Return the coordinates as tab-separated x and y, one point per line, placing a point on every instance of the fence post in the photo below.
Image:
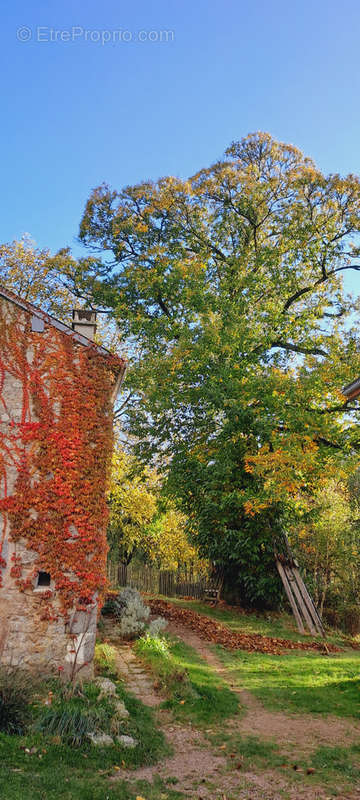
166	583
122	574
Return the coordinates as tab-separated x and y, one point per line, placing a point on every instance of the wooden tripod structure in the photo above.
302	604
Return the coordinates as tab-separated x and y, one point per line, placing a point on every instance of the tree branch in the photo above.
322	440
335	445
118	411
332	409
312	351
163	306
296	296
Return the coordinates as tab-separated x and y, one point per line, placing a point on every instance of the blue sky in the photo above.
77	112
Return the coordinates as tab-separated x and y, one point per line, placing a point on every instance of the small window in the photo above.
37	324
43	579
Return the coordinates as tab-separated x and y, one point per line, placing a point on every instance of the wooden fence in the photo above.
151	579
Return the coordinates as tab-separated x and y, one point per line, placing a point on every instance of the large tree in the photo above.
33	275
51	282
229	287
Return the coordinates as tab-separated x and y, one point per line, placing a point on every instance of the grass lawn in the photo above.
68	773
194	690
299	682
44	766
335	767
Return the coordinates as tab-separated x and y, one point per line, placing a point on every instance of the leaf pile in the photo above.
215	632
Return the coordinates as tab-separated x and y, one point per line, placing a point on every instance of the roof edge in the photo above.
352	390
60	326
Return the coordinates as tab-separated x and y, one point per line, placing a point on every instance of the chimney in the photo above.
84	322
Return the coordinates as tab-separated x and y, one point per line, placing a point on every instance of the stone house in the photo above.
57	390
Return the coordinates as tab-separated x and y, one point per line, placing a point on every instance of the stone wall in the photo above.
25	638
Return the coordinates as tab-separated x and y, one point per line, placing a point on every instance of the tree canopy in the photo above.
229	286
32	274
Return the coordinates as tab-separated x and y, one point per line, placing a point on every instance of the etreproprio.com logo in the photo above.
44	33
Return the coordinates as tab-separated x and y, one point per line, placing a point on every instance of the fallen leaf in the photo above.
213	631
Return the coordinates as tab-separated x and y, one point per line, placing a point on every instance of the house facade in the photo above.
57	390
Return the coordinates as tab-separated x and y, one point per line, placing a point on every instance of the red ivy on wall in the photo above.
60	445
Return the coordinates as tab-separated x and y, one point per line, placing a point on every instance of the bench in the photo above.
212	593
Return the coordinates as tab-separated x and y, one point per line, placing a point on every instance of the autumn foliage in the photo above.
59	445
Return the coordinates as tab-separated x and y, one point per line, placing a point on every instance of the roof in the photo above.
60	326
352	390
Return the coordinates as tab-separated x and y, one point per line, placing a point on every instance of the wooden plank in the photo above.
309	602
301	603
290	562
290	596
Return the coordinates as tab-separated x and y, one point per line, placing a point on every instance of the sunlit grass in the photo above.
299	682
331	766
56	771
193	688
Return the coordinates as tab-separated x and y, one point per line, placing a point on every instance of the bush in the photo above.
156	627
16	693
76	713
72	724
151	645
105	659
109	606
351	617
134	615
130	611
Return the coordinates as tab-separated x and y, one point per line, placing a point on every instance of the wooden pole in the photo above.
290	596
309	602
300	599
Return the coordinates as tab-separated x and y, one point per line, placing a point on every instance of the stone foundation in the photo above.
39	645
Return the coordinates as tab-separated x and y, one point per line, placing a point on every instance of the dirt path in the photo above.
203	773
303	730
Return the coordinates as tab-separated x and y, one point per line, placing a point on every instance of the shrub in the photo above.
76	712
156	627
105	658
109	606
134	617
130	612
16	693
351	617
72	724
150	645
